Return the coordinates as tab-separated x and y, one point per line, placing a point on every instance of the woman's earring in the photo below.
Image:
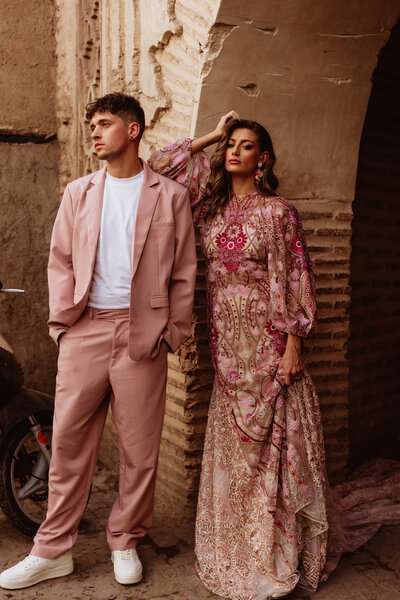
131	138
259	173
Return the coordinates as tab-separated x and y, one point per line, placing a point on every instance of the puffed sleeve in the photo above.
292	292
176	162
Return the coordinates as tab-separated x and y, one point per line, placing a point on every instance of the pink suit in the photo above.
114	355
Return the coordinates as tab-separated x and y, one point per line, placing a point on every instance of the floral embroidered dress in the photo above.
261	519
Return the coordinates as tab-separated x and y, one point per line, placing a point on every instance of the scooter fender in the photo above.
25	403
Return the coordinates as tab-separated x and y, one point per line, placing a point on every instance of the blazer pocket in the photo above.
159	301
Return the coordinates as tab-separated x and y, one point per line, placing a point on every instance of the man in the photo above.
121	284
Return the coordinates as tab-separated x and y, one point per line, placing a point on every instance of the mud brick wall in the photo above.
327	226
190	379
374	345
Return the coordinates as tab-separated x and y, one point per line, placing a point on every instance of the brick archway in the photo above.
374	343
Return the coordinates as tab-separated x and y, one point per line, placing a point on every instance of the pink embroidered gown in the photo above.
262	513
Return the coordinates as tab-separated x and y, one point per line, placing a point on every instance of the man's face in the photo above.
110	135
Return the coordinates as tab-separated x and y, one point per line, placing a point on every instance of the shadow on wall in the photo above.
374	344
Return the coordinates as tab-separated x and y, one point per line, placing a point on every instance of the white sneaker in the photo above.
34	569
127	566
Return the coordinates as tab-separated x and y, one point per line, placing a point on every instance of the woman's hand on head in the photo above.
214	136
224	120
291	361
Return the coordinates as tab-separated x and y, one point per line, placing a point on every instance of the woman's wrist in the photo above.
215	135
294	341
204	141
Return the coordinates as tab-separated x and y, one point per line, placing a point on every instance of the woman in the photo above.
261	521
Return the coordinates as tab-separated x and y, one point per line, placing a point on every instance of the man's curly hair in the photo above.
126	107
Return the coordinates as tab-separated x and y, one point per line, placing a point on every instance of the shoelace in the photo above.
128	554
29	561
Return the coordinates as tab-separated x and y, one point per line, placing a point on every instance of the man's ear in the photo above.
134	130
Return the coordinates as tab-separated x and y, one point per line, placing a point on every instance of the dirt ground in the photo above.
372	573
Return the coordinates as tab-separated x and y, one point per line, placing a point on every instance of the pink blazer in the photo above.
163	264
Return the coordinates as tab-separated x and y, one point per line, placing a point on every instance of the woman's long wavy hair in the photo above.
221	182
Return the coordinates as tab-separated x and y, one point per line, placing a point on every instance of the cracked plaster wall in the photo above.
160	63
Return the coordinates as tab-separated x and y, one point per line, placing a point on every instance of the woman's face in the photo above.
242	153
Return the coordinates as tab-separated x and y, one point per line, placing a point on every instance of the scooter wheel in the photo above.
17	459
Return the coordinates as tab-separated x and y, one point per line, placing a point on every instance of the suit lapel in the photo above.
94	205
147	204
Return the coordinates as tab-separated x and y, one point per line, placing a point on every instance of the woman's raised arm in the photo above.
185	162
214	136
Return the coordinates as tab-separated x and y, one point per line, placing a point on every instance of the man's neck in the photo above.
124	167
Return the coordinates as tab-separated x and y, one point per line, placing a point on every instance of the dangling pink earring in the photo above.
259	173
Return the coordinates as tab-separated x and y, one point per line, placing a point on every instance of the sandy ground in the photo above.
372	573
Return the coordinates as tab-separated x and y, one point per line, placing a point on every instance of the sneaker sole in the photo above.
51	573
129	580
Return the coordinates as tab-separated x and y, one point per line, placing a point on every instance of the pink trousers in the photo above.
94	369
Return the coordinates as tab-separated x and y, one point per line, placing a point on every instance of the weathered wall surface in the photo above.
374	344
109	46
77	36
29	186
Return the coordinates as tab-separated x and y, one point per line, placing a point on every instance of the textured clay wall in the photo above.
374	344
29	186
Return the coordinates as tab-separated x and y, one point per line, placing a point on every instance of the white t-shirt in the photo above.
111	283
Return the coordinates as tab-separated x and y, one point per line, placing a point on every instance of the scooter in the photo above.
26	418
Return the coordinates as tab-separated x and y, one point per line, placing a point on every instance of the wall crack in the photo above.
175	31
27	138
251	89
218	34
351	35
268	30
337	80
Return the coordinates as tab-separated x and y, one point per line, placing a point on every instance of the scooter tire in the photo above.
8	502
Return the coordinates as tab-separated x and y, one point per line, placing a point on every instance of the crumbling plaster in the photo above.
154	50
